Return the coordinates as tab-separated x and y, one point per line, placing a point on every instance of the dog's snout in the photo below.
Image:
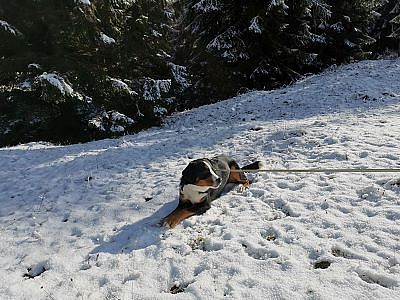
218	180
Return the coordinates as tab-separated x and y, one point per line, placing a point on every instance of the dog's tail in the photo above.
257	165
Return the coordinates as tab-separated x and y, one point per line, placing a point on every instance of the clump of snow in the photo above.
58	82
106	39
349	44
111	121
205	6
338	27
230	44
278	3
86	2
255	25
289	236
120	85
153	89
117	128
316	38
159	111
97	123
156	33
180	75
118	117
162	53
11	29
25	85
34	66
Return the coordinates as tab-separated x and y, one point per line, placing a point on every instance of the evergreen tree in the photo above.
263	44
224	42
84	69
348	30
387	29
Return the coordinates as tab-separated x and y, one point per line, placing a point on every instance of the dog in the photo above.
203	181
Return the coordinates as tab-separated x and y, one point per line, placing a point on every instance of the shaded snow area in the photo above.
80	221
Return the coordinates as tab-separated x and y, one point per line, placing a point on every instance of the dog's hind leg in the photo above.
237	177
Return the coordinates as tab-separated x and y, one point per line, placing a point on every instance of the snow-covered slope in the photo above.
79	222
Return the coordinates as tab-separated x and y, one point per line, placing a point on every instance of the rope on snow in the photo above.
316	170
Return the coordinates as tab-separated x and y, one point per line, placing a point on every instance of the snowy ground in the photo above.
78	222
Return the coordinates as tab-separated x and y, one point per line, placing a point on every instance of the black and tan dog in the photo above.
203	181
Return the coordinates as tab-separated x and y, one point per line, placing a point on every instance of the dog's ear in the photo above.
191	172
188	175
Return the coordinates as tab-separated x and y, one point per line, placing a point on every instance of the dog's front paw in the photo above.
171	221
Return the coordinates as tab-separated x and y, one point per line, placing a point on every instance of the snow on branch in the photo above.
106	39
58	82
207	6
122	86
9	28
255	25
230	45
112	121
153	89
86	2
321	9
180	75
278	3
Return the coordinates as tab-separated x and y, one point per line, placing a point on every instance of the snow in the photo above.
159	111
153	89
11	29
112	120
97	122
34	66
338	27
25	85
86	2
79	221
58	82
180	75
315	38
206	6
278	3
106	39
120	85
156	33
255	26
230	44
118	117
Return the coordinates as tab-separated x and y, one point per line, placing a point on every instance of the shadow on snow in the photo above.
139	235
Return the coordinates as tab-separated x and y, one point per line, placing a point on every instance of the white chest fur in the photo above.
194	193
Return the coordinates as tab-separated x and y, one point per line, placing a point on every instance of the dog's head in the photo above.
199	172
197	178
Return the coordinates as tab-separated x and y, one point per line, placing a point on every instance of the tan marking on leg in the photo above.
234	177
240	178
176	217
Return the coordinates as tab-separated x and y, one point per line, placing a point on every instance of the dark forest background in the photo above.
77	70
